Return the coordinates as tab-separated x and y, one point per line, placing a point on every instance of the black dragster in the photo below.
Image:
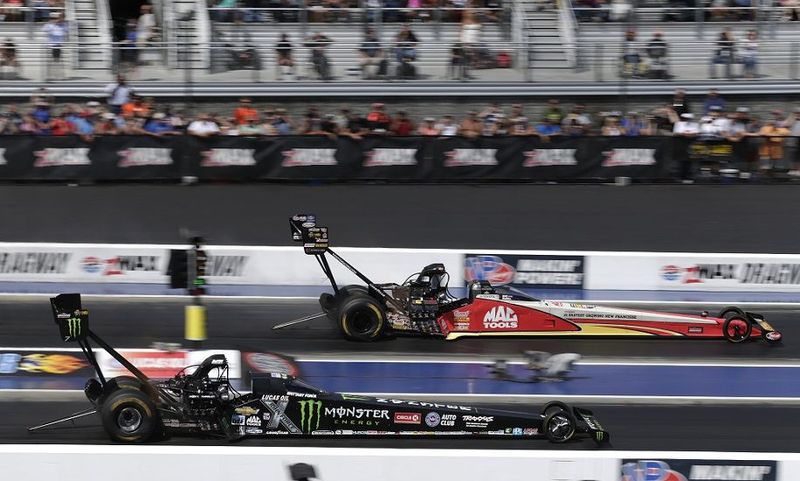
201	401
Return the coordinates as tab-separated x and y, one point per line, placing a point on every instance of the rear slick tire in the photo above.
362	318
130	416
737	329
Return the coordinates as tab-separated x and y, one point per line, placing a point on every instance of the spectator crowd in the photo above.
122	111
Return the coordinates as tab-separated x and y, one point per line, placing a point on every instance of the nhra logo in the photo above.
390	157
141	156
650	471
119	265
488	268
500	317
629	157
549	157
308	157
228	158
470	157
60	157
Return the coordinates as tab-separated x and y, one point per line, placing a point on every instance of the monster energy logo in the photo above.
74	327
599	435
309	410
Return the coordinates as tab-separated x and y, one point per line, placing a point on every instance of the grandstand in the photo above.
551	49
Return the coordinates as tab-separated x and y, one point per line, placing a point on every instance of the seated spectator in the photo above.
572	128
283	123
245	112
713	100
283	54
715	125
457	69
611	126
578	120
29	125
223	10
771	151
204	126
405	45
634	125
502	126
471	127
8	57
377	119
108	125
318	44
791	10
41	113
724	53
372	61
402	125
657	57
553	111
519	123
447	127
428	128
549	126
243	53
159	125
742	128
137	107
748	53
326	126
312	122
355	126
12	10
60	125
631	59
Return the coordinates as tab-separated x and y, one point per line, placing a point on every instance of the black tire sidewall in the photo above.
546	423
355	303
554	406
731	310
134	398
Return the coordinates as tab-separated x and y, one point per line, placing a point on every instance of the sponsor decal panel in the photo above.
728	274
549	157
432	419
382	157
697	470
32	363
629	157
470	157
120	265
22	262
407	418
308	157
562	272
310	415
54	157
142	156
228	158
500	317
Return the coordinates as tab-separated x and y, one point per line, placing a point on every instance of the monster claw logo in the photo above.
309	410
599	435
74	327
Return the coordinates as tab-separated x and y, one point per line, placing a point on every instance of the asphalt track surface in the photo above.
500	216
662	428
245	324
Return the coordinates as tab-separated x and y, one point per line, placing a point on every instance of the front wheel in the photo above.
559	427
737	329
362	318
129	416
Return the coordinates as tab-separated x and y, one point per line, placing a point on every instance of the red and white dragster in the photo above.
423	305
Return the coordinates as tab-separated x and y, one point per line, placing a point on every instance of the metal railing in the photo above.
366	14
567	27
608	61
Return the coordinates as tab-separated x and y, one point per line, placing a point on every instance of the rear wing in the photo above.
72	320
304	229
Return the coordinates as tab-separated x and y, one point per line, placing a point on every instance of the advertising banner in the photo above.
225	158
526	271
47	363
161	364
698	470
